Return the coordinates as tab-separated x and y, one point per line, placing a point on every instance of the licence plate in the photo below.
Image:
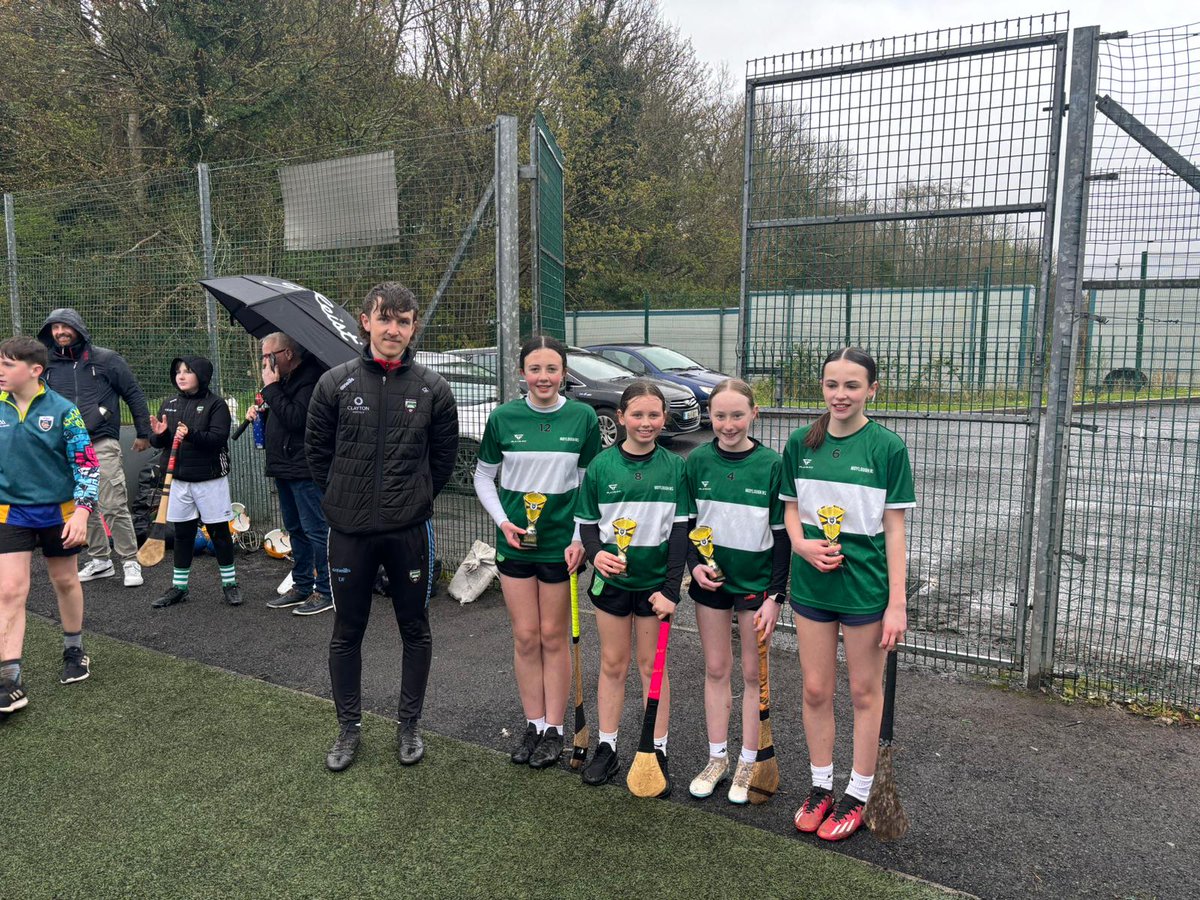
689	414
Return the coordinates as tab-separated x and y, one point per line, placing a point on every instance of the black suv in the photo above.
599	383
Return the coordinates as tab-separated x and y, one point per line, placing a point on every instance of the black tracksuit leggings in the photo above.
354	560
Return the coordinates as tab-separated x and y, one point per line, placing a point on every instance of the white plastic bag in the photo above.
475	574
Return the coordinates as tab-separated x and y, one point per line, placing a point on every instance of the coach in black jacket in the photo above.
381	443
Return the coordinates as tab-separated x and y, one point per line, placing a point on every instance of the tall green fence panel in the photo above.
551	254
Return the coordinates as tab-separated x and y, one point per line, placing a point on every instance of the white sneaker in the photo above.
739	791
97	568
133	573
706	782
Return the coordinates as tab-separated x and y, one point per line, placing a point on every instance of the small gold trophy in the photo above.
534	503
702	537
831	521
623	530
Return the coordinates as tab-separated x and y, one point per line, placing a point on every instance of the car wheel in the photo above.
462	479
610	431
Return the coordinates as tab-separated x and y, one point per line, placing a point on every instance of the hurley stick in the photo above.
646	778
581	726
155	546
764	777
883	814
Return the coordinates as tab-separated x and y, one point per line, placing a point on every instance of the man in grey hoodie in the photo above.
96	380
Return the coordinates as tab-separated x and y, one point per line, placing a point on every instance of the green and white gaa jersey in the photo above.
848	481
540	452
739	500
643	498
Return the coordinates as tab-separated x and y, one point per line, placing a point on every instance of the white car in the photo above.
474	389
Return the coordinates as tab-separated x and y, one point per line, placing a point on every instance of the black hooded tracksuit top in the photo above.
204	453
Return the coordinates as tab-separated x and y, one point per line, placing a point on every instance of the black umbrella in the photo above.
265	305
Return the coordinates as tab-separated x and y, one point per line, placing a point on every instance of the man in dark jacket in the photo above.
381	443
289	376
96	379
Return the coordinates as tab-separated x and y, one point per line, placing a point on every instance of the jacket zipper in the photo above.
379	450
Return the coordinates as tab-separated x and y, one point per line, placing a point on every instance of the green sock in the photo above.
228	576
180	578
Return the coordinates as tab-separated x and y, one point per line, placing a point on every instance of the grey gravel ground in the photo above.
1010	795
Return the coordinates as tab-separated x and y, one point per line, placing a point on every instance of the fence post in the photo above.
984	315
1141	317
743	339
1047	538
645	317
849	312
535	220
214	347
10	235
508	263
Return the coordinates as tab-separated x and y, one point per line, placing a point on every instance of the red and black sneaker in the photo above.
846	818
812	813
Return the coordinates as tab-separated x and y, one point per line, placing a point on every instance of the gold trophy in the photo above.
623	530
534	503
702	537
831	521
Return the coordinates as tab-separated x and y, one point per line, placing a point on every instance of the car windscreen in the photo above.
668	360
596	367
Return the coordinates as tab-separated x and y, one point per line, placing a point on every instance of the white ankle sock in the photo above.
748	755
860	786
822	776
661	744
718	751
538	723
610	738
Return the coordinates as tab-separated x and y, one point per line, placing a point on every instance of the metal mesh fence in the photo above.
549	256
127	255
1128	622
900	197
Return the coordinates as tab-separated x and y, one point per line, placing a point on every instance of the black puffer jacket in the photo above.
95	379
204	453
286	419
381	446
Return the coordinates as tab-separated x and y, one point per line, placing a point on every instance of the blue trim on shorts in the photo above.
816	614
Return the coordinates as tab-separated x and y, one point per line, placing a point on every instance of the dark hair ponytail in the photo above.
816	433
541	342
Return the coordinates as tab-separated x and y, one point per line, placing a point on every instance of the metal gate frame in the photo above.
1045	538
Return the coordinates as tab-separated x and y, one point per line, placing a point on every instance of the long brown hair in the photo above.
737	386
641	388
816	434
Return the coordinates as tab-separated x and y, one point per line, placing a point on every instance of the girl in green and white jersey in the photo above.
539	445
847	484
633	497
734	483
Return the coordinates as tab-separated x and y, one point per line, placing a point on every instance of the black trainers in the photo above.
525	747
603	767
171	597
12	696
341	754
76	666
292	598
232	594
662	764
548	750
315	604
410	747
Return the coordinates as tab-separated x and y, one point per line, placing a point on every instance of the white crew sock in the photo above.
822	776
860	786
718	751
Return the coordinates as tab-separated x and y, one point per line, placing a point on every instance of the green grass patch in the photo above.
165	778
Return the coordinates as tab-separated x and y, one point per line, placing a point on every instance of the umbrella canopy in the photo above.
265	305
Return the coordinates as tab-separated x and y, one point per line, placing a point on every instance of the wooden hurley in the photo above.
155	546
764	777
646	778
581	726
883	813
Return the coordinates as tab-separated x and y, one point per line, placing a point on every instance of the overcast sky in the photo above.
726	31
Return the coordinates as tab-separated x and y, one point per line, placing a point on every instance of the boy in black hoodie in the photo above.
200	490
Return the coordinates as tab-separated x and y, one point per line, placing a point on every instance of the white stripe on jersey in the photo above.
736	526
654	520
532	470
864	505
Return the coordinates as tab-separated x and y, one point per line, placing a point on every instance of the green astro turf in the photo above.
160	778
